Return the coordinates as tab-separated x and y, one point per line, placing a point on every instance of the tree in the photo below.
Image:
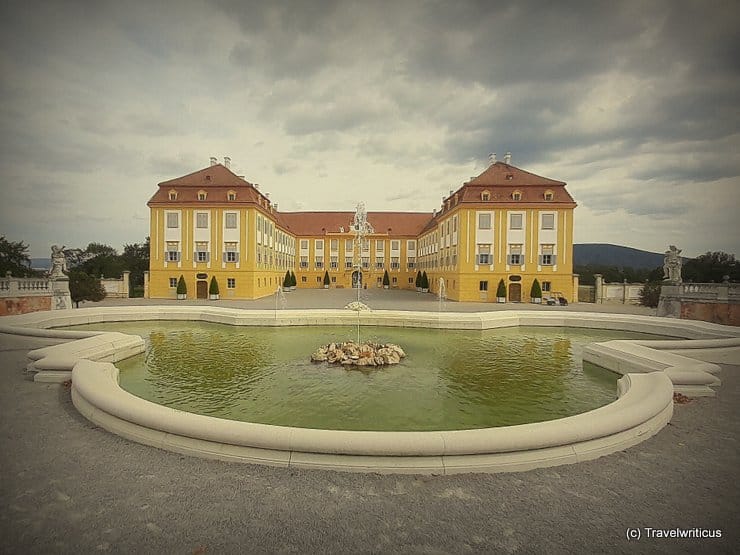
14	258
649	295
182	287
136	260
536	291
213	287
424	280
711	267
501	289
418	279
327	281
293	280
386	279
84	287
286	280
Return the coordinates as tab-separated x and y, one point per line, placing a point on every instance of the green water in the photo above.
449	380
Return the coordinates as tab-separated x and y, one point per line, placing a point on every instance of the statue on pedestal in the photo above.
672	265
58	263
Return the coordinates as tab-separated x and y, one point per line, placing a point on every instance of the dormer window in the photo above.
485	196
548	195
516	195
173	194
231	195
202	195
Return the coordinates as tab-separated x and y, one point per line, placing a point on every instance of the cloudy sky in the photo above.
636	105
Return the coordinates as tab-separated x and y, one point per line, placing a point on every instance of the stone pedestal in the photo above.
669	304
62	299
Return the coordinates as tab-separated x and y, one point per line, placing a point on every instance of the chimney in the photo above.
227	161
267	195
275	205
492	158
257	186
214	161
507	158
451	191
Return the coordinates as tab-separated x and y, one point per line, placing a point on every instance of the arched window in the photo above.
548	195
173	194
202	195
231	195
516	195
485	196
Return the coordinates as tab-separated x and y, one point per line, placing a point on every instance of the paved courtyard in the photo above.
68	486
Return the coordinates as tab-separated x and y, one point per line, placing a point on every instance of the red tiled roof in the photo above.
320	223
506	174
215	180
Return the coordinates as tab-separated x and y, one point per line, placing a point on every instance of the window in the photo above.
454	224
484	254
395	245
202	195
379	280
320	262
515	221
201	220
485	196
395	264
348	262
348	246
334	262
394	280
411	280
304	279
411	262
173	282
231	253
548	221
173	195
304	262
333	279
366	245
230	220
230	283
173	252
484	221
547	258
546	286
304	244
201	251
482	286
516	195
318	279
366	262
379	263
173	220
515	255
548	195
410	245
319	245
231	195
334	245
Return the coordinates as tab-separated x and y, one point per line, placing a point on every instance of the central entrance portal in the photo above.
201	289
357	279
515	292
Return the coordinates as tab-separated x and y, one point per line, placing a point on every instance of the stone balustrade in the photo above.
16	287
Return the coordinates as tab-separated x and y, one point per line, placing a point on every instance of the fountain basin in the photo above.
643	408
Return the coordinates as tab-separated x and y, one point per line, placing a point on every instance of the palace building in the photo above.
505	224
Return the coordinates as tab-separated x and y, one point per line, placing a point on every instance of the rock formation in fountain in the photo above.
351	354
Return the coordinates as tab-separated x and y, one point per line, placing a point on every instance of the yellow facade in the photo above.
214	224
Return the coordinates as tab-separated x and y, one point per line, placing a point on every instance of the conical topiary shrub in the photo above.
536	292
386	280
213	289
286	281
327	281
293	281
424	282
182	288
501	291
418	280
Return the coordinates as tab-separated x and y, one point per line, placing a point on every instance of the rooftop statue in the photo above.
672	265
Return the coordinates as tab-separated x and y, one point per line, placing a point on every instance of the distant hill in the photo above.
41	263
603	254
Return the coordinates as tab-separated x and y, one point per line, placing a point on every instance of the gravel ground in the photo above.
68	486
